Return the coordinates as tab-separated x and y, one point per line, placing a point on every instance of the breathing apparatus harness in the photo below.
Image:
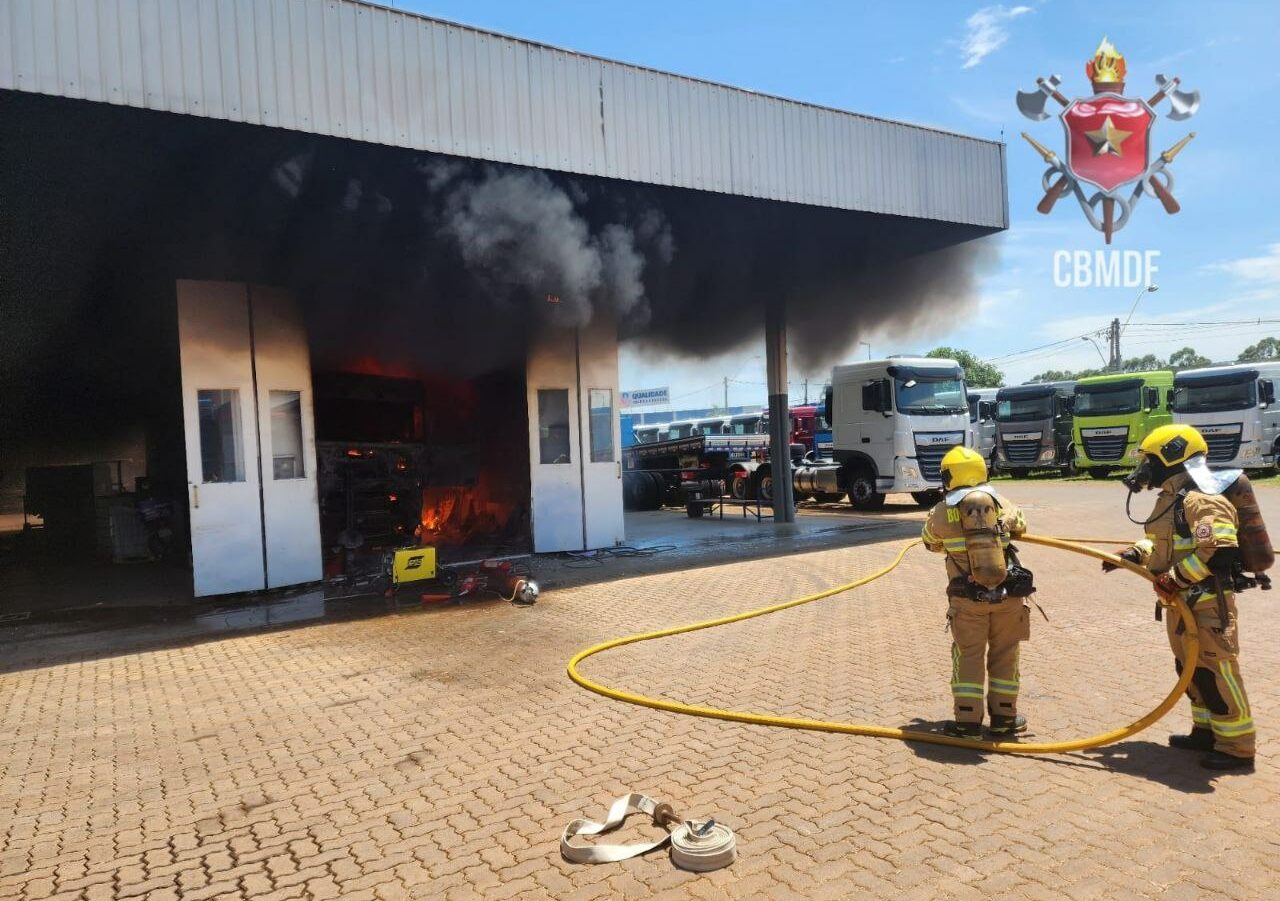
1226	566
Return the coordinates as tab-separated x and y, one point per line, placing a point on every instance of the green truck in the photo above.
1114	412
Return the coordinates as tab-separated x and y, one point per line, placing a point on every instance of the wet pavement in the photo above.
103	609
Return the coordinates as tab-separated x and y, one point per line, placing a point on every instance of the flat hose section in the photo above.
1004	747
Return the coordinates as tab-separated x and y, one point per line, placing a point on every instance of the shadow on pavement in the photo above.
1180	770
940	753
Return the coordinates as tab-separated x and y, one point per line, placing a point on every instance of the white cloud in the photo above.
986	31
983	114
1259	270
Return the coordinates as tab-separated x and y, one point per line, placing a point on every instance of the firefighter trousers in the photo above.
1218	700
984	649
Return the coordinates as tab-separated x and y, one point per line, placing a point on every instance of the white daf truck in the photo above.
892	422
1235	408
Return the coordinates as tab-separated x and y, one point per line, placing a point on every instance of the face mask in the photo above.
1151	473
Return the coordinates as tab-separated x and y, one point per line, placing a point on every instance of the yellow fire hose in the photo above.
1006	747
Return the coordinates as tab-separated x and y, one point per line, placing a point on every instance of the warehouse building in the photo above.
268	287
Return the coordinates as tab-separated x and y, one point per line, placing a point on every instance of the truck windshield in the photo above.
1214	398
1024	409
1103	400
680	430
745	427
931	398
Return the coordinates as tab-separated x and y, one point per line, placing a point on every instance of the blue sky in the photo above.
957	66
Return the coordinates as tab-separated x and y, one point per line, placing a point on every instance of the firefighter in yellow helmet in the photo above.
1192	545
988	618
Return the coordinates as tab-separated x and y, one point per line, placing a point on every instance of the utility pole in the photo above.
726	394
1113	334
806	392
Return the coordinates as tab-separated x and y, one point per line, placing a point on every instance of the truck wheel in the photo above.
656	492
740	488
926	498
863	494
1099	472
765	490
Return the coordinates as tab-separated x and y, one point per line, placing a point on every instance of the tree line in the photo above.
979	374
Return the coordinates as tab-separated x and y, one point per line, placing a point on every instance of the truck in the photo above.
807	423
1235	409
678	470
1114	412
982	423
649	433
893	421
1034	428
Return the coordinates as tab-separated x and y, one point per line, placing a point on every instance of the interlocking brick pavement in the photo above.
438	755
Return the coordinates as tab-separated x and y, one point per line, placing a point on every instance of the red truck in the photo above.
806	422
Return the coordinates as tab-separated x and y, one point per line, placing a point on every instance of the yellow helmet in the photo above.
963	467
1174	444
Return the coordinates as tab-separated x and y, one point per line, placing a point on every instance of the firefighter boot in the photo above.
963	730
1007	725
1200	739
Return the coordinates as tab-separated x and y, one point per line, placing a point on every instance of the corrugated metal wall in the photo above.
354	70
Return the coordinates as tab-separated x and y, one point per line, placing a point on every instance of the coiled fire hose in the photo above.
619	809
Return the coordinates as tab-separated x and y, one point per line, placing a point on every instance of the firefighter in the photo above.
1192	544
973	526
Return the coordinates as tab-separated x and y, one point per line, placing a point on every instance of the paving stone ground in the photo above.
439	755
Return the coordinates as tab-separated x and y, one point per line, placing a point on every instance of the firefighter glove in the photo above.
1131	554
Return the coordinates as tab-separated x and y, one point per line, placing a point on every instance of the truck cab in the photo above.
1034	428
893	422
745	424
1235	409
1114	412
982	423
680	428
647	434
806	422
712	425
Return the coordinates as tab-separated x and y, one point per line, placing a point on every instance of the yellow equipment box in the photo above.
413	564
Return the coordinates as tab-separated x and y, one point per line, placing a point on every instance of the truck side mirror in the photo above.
828	400
1168	398
1268	391
886	397
1151	398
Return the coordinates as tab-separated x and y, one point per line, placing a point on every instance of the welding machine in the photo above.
413	564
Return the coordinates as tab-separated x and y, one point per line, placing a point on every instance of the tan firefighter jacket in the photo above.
1210	523
981	508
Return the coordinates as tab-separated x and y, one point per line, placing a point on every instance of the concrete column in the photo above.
775	348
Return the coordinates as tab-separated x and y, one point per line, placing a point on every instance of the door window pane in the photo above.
553	425
286	435
221	447
600	402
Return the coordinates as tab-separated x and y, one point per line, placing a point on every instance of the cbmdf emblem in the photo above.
1108	163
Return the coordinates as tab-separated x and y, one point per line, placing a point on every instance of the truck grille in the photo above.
1105	447
1024	453
930	460
1222	448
